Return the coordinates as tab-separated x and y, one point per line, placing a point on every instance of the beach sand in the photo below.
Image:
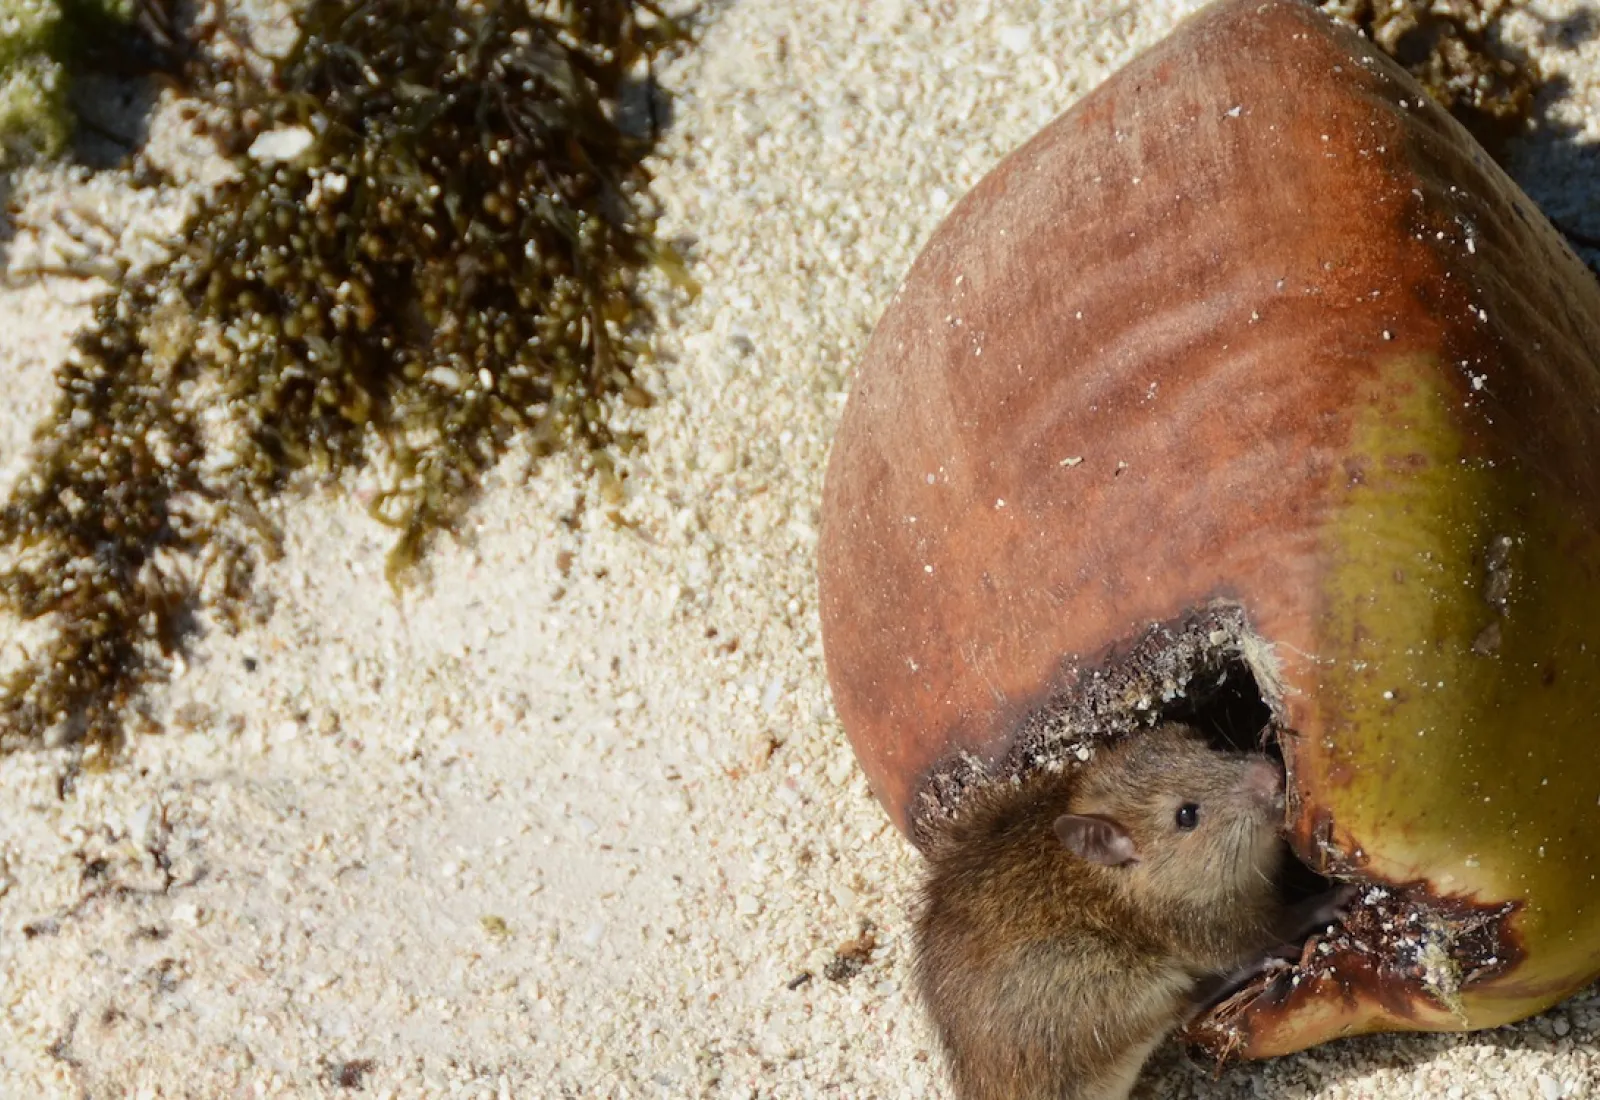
573	816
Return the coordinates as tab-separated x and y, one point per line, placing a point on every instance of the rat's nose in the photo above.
1263	781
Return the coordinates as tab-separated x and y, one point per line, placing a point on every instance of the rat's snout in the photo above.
1263	782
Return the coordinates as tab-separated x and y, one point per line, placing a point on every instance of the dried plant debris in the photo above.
1454	49
348	1075
852	955
431	250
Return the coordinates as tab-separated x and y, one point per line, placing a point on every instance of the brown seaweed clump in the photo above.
431	250
1453	49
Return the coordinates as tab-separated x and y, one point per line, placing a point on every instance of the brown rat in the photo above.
1071	921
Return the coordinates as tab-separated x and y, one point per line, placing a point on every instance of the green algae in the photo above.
47	44
34	117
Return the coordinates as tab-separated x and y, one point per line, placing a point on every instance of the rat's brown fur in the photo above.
1049	975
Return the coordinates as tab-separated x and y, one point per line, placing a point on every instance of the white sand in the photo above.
617	739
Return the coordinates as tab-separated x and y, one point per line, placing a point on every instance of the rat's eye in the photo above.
1188	816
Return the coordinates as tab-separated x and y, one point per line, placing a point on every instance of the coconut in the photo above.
1252	392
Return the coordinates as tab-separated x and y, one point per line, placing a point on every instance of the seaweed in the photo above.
431	251
1454	49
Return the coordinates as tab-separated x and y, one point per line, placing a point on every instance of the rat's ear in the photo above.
1095	838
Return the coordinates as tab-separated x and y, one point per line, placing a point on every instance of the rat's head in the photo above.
1177	817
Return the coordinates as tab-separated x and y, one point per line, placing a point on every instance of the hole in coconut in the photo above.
1232	714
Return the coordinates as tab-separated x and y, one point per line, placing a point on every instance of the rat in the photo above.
1070	921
